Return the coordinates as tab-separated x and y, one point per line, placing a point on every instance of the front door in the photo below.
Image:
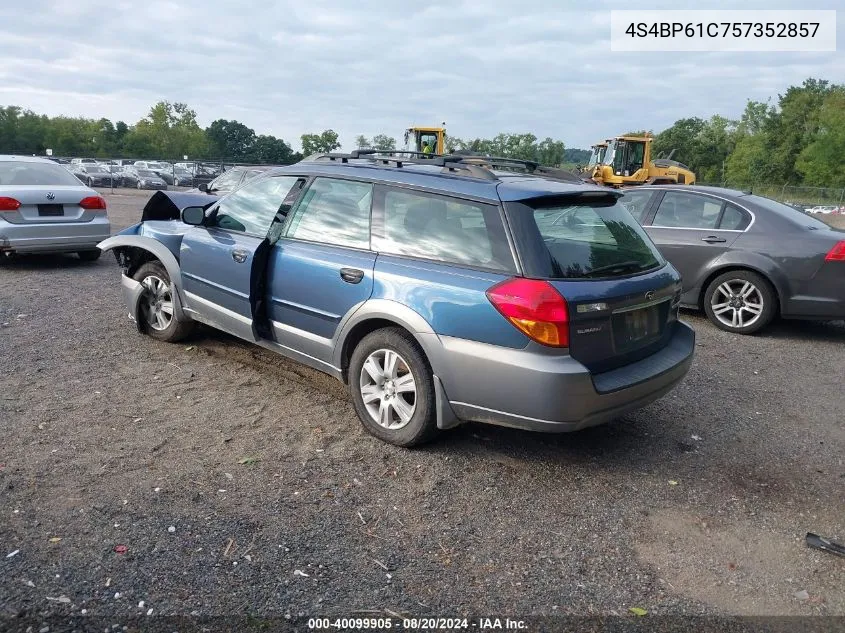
218	261
686	229
322	268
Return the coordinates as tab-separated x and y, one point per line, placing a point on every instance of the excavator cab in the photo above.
596	158
626	156
432	137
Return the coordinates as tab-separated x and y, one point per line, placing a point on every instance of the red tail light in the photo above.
535	308
93	203
836	254
9	204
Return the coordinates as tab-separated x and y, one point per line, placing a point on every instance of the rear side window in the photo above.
637	202
334	211
443	229
733	219
581	239
32	174
687	210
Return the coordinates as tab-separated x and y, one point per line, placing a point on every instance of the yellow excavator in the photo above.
627	161
596	158
433	137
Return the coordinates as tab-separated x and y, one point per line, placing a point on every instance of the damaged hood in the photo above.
168	205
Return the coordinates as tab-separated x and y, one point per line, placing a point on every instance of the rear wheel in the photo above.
89	256
156	314
392	388
740	301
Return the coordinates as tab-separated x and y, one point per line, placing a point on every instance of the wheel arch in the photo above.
381	313
726	268
133	251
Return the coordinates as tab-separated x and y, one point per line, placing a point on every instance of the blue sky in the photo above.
378	66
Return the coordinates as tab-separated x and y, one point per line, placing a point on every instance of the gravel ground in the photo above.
242	483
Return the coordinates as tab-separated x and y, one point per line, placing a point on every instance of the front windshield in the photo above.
146	173
94	169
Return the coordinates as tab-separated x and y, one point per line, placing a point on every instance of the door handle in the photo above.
351	275
712	239
239	255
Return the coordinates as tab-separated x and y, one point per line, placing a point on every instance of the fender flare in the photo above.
424	335
161	253
755	263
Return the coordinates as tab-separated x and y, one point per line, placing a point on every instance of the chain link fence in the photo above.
806	197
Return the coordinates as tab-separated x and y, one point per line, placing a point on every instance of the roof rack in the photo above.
475	166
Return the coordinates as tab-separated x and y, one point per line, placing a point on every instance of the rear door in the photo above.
218	261
322	267
686	229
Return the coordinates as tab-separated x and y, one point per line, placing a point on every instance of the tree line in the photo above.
799	139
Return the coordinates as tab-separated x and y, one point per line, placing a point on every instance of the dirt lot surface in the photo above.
242	483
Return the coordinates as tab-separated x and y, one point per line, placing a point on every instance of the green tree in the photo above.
384	143
362	142
551	152
271	150
231	140
319	143
821	162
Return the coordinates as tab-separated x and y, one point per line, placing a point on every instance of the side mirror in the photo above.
203	187
195	216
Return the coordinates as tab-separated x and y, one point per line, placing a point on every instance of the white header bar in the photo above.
717	31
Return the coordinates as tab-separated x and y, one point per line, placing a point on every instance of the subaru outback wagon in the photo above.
439	290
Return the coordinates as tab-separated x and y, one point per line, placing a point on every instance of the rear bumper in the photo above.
536	390
53	237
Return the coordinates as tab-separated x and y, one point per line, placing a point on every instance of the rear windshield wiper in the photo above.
620	267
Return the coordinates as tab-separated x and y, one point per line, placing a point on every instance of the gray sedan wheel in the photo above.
740	301
392	388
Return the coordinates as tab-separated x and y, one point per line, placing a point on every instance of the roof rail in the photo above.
475	166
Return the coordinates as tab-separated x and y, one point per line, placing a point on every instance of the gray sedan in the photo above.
744	258
44	208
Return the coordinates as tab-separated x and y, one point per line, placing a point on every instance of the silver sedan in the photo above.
44	208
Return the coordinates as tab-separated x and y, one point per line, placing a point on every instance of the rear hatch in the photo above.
621	294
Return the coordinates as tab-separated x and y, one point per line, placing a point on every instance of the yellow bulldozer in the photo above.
627	161
596	158
432	137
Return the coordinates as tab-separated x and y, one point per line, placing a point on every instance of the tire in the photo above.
152	312
90	184
409	418
740	301
138	184
89	256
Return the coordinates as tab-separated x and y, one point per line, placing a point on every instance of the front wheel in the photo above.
156	314
392	388
740	301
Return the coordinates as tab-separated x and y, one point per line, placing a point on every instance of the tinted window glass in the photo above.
26	173
591	240
687	210
733	219
334	212
787	211
444	229
252	208
636	202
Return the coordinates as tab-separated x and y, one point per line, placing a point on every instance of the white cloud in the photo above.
372	67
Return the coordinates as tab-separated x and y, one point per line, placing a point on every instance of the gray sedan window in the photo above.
636	202
687	210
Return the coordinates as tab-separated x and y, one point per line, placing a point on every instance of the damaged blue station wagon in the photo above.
440	290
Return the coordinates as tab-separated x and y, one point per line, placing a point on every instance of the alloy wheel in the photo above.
157	303
388	389
737	303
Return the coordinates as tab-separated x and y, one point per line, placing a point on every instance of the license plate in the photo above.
636	326
51	209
